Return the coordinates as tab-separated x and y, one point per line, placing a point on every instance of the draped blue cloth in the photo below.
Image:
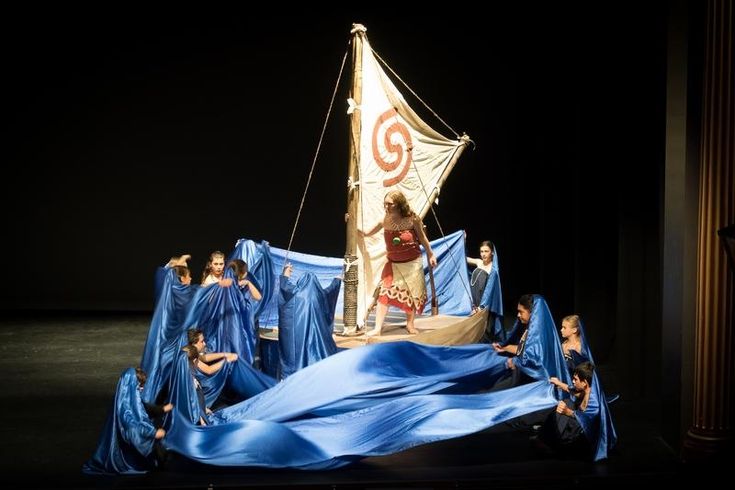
542	357
305	322
167	324
492	298
217	312
127	439
334	441
450	275
239	380
158	280
183	392
261	271
357	378
596	421
325	269
221	313
374	400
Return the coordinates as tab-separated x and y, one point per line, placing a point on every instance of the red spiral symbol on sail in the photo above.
402	150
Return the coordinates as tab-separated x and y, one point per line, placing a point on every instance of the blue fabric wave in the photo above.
334	441
373	400
359	377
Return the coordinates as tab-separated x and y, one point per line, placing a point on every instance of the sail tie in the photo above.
349	263
352	106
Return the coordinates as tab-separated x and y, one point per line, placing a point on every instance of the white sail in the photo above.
397	151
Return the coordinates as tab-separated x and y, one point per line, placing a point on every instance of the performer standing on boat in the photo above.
402	281
487	293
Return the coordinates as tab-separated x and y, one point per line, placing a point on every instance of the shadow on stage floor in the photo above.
61	371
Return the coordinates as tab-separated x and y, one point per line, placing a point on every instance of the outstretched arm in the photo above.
372	230
510	348
556	382
213	368
475	262
218	356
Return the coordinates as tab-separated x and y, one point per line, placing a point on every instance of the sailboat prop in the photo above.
391	147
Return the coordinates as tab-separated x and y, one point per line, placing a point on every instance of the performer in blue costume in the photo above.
533	345
597	424
172	304
486	291
566	428
127	440
305	321
260	271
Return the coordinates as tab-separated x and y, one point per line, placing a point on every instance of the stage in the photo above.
63	369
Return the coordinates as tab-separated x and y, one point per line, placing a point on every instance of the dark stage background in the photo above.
137	134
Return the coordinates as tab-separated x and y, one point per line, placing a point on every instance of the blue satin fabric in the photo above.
183	393
158	280
324	268
167	324
221	313
261	271
237	381
596	421
450	275
334	441
492	297
378	399
542	357
357	378
575	359
127	439
305	322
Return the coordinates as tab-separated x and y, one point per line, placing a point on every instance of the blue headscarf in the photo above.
492	297
542	357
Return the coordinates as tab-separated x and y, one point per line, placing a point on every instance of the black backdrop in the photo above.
135	135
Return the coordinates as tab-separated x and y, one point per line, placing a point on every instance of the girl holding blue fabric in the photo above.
564	429
483	268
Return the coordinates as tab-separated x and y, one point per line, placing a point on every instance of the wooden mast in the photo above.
353	192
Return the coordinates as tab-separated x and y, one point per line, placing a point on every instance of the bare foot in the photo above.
373	333
412	330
